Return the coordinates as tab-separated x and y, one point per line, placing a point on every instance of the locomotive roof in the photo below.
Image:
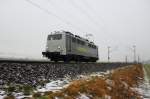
69	33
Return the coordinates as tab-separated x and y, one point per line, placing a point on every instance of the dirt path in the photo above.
147	70
144	88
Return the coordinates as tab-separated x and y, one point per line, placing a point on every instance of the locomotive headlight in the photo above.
58	47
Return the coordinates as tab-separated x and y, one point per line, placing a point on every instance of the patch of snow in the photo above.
98	74
54	85
22	97
144	88
83	96
109	82
101	73
2	94
107	97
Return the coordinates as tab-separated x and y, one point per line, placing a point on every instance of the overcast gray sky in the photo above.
117	23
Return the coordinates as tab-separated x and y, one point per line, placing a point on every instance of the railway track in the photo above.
52	62
33	71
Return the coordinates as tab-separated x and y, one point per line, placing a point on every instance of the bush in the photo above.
10	90
27	89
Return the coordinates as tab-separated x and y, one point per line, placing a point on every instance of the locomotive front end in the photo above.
55	47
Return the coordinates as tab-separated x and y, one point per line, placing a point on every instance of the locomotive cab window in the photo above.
55	37
49	37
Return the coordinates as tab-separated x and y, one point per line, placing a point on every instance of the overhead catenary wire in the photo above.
84	12
62	8
85	2
67	13
54	15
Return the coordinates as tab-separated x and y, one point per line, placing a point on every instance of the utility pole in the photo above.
134	53
138	59
108	53
126	59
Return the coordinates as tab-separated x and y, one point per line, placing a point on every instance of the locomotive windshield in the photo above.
55	37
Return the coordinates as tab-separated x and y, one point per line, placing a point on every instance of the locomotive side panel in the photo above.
81	47
68	44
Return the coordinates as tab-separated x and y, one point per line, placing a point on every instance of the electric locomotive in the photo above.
65	46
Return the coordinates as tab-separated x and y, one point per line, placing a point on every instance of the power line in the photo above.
53	14
85	2
50	2
93	11
83	11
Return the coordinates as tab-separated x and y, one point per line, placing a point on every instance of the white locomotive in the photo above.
64	46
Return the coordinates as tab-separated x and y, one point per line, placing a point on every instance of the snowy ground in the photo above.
62	83
58	84
51	86
2	94
55	85
17	95
144	89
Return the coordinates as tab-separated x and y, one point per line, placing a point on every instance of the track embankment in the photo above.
119	84
32	73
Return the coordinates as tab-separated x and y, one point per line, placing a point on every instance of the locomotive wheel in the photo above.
55	61
78	59
66	59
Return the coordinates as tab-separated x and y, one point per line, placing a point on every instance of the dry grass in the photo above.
129	75
123	80
117	85
94	87
9	97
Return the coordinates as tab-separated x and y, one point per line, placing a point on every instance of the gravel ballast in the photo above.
33	73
